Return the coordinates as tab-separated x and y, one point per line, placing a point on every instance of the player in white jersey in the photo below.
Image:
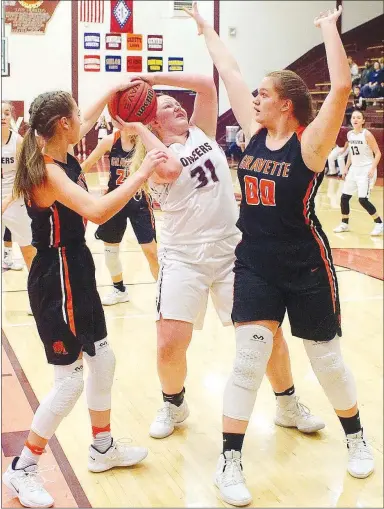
197	242
360	173
14	213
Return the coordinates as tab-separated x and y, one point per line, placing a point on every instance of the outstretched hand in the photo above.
194	13
327	17
129	127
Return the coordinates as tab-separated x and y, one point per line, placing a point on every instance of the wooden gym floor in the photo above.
283	467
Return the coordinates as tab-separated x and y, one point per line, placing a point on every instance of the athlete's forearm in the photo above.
339	71
377	159
93	114
196	82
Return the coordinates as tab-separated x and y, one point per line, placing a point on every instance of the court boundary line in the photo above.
66	469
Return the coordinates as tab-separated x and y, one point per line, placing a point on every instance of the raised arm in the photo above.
371	140
319	137
97	153
58	187
240	96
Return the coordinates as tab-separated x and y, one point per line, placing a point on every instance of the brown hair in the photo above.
290	86
44	112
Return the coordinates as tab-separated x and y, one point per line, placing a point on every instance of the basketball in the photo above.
136	104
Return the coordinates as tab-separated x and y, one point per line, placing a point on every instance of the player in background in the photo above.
360	173
121	147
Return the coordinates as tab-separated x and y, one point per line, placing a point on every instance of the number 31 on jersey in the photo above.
259	192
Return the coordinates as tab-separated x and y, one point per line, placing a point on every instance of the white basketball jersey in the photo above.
200	205
360	152
8	164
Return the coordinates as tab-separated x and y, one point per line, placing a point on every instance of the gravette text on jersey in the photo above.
265	166
196	154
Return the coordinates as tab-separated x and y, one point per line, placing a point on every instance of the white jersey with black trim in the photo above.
359	150
8	164
200	205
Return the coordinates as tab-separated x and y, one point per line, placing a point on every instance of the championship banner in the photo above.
154	64
155	42
122	16
134	64
175	64
112	63
92	63
29	16
134	42
91	40
113	41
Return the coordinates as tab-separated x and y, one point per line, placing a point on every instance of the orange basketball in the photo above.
136	104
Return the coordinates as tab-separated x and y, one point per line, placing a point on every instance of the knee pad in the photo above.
344	204
253	350
367	205
61	399
112	260
100	378
334	376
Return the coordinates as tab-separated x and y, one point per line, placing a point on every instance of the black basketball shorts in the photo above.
139	211
65	303
308	292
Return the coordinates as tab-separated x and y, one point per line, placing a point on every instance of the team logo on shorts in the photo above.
59	348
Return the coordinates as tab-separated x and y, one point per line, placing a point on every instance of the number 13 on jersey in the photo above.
257	192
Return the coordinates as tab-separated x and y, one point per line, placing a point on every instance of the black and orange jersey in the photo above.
119	162
58	226
278	191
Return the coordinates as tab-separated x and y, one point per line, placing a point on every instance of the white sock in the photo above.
102	441
27	458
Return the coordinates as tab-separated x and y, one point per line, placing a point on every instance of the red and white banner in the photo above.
91	11
113	41
122	16
92	63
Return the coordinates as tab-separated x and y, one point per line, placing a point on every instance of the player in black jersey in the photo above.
284	261
122	148
62	286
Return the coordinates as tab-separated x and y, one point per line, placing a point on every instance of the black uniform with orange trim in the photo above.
284	261
139	208
61	283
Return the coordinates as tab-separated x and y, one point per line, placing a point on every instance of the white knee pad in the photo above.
61	399
100	378
112	260
253	349
334	376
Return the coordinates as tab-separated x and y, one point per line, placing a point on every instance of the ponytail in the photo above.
31	170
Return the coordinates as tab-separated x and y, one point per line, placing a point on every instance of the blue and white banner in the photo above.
91	40
112	63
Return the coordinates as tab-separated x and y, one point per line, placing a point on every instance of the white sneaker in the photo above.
27	485
378	229
167	418
360	456
9	264
230	480
118	455
343	227
296	415
115	297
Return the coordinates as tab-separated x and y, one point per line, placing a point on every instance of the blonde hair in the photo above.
138	157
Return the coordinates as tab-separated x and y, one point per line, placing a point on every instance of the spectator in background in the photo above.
359	103
375	78
240	139
354	68
381	62
364	78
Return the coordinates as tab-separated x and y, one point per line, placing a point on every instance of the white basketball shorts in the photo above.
16	219
188	273
357	180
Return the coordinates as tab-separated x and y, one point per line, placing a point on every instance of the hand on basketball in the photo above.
327	17
152	160
130	127
194	13
147	77
124	85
